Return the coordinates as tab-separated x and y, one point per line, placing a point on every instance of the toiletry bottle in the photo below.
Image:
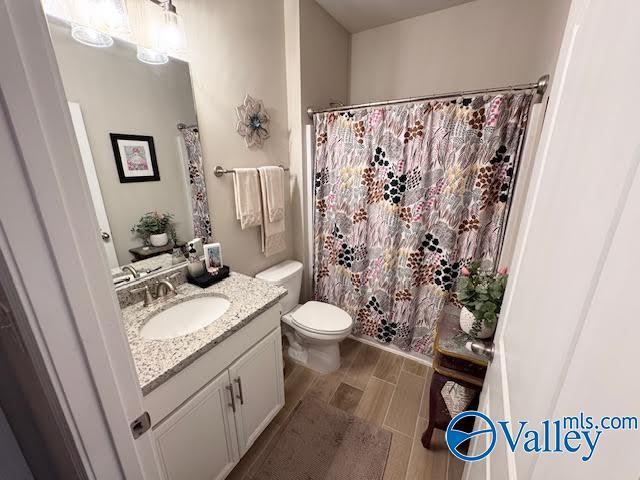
196	264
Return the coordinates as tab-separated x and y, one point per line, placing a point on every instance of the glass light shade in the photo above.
152	57
58	8
91	37
171	36
107	16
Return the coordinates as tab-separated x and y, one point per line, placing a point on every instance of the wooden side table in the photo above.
140	253
452	362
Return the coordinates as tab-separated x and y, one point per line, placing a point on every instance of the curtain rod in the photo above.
540	86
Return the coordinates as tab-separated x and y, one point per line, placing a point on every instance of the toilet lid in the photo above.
321	317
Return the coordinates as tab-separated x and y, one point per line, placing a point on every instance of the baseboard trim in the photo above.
393	349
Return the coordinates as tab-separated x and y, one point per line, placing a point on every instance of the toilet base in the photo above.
324	358
319	355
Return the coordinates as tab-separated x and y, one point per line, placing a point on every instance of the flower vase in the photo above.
467	319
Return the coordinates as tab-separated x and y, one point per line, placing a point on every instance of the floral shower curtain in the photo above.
199	202
405	195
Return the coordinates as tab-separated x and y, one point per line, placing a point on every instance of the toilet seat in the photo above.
321	318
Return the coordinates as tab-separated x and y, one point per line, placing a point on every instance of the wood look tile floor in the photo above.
383	388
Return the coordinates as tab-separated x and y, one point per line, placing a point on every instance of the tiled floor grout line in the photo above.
247	476
338	383
413	374
369	381
391	429
415	428
355	357
383	380
333	394
386	414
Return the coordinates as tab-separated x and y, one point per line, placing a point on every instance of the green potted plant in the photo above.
481	293
155	228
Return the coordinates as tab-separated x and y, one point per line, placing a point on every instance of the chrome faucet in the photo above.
148	296
132	270
164	288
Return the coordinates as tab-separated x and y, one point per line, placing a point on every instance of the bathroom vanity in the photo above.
210	393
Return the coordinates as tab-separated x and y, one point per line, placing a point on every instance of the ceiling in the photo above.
359	15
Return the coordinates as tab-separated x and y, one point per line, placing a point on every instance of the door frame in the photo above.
51	243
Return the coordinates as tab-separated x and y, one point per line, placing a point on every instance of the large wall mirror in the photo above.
137	131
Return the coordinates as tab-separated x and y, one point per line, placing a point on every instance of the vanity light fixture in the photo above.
158	30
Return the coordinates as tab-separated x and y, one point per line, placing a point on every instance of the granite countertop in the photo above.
158	360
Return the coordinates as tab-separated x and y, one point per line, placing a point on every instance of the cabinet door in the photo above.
258	384
198	441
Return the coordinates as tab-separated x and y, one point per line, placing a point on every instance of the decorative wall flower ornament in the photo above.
253	121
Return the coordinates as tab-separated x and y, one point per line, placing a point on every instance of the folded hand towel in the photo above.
273	232
274	178
246	186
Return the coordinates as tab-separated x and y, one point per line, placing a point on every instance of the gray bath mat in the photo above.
321	442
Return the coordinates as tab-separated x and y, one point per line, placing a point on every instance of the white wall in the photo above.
324	78
237	47
324	62
119	94
317	74
481	44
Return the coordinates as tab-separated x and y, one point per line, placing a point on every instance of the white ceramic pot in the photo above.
466	323
159	240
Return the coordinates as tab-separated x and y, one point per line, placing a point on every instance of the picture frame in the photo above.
135	157
213	256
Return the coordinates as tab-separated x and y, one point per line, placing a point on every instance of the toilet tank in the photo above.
287	274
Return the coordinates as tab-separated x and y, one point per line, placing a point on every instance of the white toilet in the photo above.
314	329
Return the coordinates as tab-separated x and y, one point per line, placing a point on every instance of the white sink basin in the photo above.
184	318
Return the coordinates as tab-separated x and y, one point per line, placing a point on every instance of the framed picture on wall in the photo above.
135	157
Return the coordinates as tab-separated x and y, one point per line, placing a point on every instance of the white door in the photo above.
198	442
587	157
53	261
258	386
94	185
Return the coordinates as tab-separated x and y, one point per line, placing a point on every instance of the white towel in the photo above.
273	232
246	187
274	177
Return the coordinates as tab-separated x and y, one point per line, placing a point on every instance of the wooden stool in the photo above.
452	362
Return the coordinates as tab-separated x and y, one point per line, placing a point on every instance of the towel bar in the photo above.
220	171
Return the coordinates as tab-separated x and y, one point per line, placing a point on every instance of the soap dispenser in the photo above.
196	265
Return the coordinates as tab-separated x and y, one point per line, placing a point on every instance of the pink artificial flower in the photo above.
465	271
503	270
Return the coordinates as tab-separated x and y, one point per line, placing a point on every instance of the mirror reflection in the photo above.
131	119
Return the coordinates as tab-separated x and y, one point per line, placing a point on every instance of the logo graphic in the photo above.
456	438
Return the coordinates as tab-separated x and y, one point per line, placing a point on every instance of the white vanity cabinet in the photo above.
199	440
258	384
204	436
